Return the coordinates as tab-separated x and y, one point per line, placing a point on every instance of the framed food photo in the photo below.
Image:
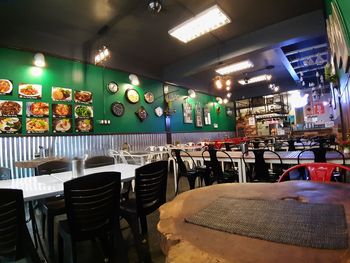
82	96
83	111
37	109
61	110
37	125
61	94
6	87
10	125
30	91
84	125
10	108
187	112
62	125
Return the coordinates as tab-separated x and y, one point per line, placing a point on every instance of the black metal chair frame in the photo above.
97	161
5	173
320	157
263	169
182	171
52	206
150	194
15	240
93	209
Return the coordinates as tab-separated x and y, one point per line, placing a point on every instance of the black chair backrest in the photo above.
98	161
260	170
5	173
214	163
52	167
227	146
176	154
93	204
150	186
320	154
15	241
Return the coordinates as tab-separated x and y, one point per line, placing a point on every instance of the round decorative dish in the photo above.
149	97
112	87
117	109
132	96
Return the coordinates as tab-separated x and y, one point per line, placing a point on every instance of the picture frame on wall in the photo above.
207	116
198	113
187	112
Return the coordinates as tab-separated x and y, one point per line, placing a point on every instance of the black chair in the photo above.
5	173
183	171
320	156
150	194
52	206
259	170
98	161
227	176
93	206
15	240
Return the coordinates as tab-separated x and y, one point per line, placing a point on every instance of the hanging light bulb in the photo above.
225	100
303	83
218	84
228	95
301	79
317	74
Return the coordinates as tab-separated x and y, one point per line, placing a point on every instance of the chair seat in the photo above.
55	205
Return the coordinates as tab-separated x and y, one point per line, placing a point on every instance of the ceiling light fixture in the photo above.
221	81
191	93
228	95
39	60
102	55
219	100
134	80
154	6
203	23
235	67
259	78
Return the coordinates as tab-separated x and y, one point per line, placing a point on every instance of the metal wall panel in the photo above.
24	148
198	137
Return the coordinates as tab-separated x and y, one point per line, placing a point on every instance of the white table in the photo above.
42	186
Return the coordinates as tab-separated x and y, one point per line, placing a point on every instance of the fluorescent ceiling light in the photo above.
200	24
235	67
255	79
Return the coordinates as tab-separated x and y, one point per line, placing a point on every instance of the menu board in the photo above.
61	110
38	109
37	125
10	108
61	125
6	87
30	91
81	96
61	94
84	125
10	125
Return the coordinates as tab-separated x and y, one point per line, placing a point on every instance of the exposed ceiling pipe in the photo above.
307	57
306	49
308	70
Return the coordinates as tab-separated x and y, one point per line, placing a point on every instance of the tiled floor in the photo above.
90	251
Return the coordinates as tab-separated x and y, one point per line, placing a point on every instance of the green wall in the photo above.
225	123
17	66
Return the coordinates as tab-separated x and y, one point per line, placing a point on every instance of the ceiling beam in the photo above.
287	32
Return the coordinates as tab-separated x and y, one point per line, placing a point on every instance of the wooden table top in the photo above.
36	162
184	242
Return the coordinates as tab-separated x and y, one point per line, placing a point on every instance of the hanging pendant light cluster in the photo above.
221	82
